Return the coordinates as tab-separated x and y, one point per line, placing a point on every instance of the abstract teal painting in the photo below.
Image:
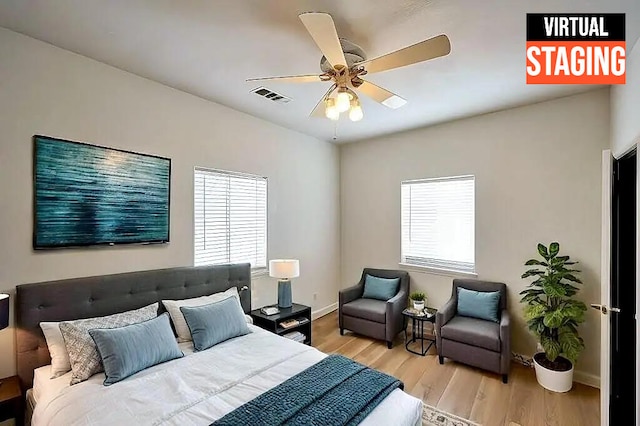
88	195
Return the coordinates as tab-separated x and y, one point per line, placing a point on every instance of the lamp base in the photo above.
284	294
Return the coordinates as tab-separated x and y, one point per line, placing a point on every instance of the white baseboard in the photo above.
324	311
578	376
586	379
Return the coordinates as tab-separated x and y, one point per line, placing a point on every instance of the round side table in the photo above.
417	329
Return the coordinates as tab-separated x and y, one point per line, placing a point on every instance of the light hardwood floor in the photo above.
461	390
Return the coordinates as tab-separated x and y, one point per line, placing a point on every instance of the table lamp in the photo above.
4	314
284	270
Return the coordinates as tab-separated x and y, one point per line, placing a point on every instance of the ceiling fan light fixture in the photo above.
343	64
331	111
355	113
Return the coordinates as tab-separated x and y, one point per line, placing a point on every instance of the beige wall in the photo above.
538	178
50	91
625	103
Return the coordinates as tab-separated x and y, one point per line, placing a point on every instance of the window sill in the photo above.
257	273
437	271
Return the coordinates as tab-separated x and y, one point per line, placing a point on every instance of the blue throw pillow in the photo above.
478	304
380	288
132	348
214	323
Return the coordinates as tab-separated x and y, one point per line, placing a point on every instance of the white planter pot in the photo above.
419	305
556	381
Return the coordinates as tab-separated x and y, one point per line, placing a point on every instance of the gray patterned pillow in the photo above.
83	353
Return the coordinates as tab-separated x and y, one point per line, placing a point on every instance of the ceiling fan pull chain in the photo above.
335	130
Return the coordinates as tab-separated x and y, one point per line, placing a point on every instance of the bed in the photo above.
197	389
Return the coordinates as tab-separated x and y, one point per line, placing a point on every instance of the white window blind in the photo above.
438	223
230	218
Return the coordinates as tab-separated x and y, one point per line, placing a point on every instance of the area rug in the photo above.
431	416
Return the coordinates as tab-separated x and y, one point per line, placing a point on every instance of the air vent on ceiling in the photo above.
271	95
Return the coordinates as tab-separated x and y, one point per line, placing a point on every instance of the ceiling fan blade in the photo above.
378	94
419	52
318	110
323	31
290	78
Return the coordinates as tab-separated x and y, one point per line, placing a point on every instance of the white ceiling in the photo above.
209	47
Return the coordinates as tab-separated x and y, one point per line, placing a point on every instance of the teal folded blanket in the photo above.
336	391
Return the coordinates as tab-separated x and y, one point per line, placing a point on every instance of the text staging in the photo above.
576	48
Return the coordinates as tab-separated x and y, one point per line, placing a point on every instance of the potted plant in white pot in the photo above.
553	315
418	299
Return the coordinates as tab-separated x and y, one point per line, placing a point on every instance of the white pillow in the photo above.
60	363
180	324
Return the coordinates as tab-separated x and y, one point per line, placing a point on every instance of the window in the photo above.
438	223
230	216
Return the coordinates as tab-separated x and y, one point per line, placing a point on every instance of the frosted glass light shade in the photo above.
331	111
343	101
356	114
284	268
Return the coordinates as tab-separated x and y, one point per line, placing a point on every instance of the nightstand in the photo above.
11	405
272	323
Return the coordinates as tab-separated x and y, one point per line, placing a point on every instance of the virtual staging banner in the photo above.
576	48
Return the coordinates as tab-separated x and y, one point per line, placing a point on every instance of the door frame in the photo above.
605	284
637	422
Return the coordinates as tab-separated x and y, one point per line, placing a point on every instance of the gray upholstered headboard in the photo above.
108	294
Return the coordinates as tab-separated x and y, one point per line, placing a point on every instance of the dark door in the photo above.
623	292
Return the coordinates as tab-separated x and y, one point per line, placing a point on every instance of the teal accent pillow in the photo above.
380	288
133	348
214	323
478	304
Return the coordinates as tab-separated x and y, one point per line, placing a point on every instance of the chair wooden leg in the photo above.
342	331
389	345
440	359
505	378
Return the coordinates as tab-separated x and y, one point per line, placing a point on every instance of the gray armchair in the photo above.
477	342
370	317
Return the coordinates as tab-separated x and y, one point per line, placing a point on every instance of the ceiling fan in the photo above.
344	64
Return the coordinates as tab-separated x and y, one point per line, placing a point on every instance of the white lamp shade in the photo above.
284	268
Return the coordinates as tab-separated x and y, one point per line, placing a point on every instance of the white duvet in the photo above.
198	388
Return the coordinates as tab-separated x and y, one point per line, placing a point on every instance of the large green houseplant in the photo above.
553	314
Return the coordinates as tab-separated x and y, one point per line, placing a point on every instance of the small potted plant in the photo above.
553	315
418	299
